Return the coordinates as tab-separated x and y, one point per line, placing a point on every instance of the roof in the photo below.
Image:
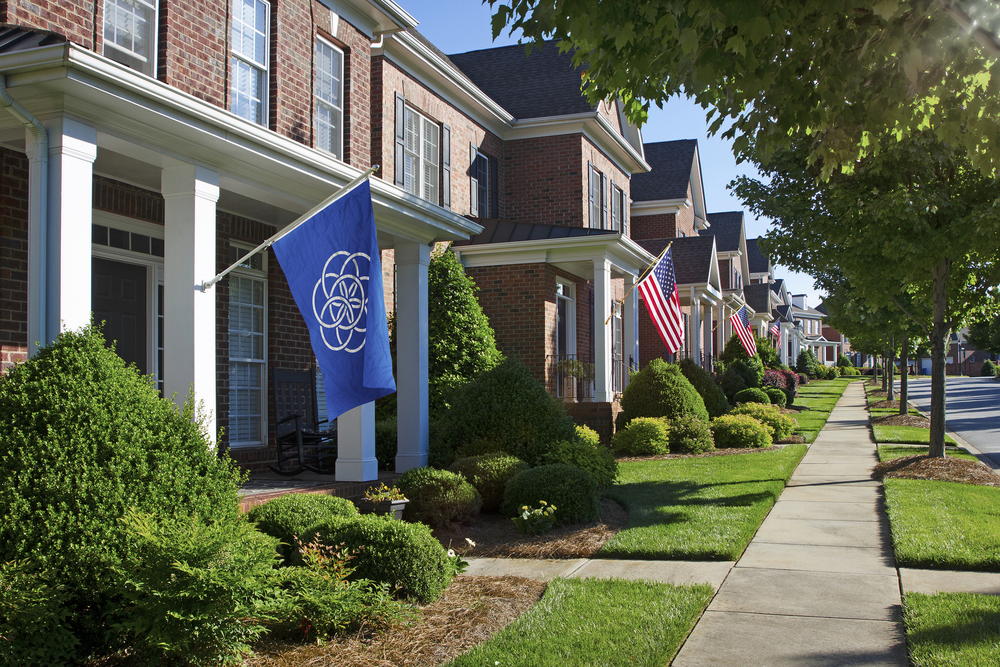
727	229
505	231
693	257
758	297
757	262
776	285
785	313
13	38
671	163
538	85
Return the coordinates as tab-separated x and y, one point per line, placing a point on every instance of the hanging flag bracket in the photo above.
645	272
204	287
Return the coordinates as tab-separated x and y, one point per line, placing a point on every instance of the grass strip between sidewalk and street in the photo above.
892	452
586	622
904	434
952	629
700	508
820	396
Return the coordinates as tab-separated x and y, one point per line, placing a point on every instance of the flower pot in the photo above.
391	507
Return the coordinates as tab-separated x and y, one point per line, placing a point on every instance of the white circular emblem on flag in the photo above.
340	300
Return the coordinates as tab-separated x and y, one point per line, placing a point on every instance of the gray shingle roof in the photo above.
785	313
758	296
671	163
776	285
536	86
756	261
727	228
504	231
13	38
692	255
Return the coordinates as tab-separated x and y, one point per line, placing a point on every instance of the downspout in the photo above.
41	137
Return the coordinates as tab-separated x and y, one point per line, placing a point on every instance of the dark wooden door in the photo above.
119	300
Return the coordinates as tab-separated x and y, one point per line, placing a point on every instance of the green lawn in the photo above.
944	525
952	629
890	452
913	434
697	508
820	396
596	622
885	412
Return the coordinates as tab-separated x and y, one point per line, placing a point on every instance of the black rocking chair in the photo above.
297	425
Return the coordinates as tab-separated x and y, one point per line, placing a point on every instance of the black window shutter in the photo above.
399	166
494	189
604	201
446	166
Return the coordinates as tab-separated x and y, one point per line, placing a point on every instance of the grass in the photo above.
705	508
952	629
890	452
596	622
944	525
820	396
912	434
885	412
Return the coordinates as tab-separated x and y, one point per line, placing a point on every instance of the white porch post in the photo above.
356	460
411	356
602	331
721	333
66	266
695	327
189	194
630	324
708	336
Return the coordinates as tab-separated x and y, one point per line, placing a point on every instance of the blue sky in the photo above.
456	26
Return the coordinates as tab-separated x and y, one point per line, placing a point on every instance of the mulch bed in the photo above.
894	405
948	469
903	420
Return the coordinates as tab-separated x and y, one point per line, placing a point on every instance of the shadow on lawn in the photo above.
647	497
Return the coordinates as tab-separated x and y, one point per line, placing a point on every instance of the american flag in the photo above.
741	324
776	332
659	292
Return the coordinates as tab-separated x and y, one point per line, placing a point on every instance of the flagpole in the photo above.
288	229
645	272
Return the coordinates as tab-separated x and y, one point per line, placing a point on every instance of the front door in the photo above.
119	300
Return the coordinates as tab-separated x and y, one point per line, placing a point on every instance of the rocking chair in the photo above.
297	425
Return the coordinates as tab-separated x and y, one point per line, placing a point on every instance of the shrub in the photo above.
988	369
33	618
805	365
386	439
690	435
585	454
784	380
849	370
404	555
779	425
644	436
84	439
751	370
503	409
752	396
732	383
571	490
295	514
535	521
489	473
843	361
803	378
714	398
739	431
767	353
438	497
660	390
833	372
777	396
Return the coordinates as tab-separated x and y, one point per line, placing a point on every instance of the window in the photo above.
130	34
420	156
247	349
329	99
249	64
485	201
619	209
596	199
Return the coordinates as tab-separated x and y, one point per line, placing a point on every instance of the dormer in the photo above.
731	242
759	267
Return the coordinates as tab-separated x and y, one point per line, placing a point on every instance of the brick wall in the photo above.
193	48
128	200
545	177
13	258
591	154
598	416
73	18
660	226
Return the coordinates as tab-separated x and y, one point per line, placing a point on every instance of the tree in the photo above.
915	224
984	334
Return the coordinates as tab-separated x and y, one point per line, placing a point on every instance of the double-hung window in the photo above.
483	189
420	156
249	63
329	98
130	34
247	350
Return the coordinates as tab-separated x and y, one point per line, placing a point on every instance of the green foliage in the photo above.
766	352
660	390
438	497
732	383
386	439
295	514
984	334
733	351
84	439
504	409
198	591
690	435
805	364
752	396
779	425
644	436
403	555
535	521
33	618
843	361
989	369
776	396
738	431
489	473
711	394
584	453
572	490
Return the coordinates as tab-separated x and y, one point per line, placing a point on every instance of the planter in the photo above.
391	507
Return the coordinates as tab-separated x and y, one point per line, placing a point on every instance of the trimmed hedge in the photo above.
584	453
752	396
438	497
571	490
489	473
295	514
713	396
660	390
988	369
690	435
776	395
780	425
739	431
644	436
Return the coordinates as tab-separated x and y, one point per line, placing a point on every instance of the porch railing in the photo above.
571	376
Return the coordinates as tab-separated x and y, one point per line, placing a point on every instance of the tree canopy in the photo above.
843	71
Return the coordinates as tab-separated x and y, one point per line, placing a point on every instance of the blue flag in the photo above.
333	268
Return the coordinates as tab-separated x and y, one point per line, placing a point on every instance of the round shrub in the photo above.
644	436
404	555
660	390
803	378
988	369
295	514
84	439
713	396
776	395
571	490
504	409
488	474
752	396
780	425
739	431
438	497
690	435
595	458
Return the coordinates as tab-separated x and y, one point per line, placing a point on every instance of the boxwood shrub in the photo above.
438	497
776	396
489	473
571	490
988	369
739	431
660	390
780	425
295	515
713	396
644	436
585	452
690	435
752	395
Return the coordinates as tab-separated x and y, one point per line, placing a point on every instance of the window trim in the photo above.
266	67
155	41
491	173
421	161
339	154
569	295
261	275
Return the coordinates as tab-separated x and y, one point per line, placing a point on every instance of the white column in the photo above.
695	327
630	324
356	460
411	356
602	331
189	194
721	333
708	335
67	263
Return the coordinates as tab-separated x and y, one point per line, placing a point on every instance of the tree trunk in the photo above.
890	367
885	387
939	274
904	359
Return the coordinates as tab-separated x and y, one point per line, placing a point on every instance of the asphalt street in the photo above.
972	409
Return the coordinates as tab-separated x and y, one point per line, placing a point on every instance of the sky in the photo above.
457	26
